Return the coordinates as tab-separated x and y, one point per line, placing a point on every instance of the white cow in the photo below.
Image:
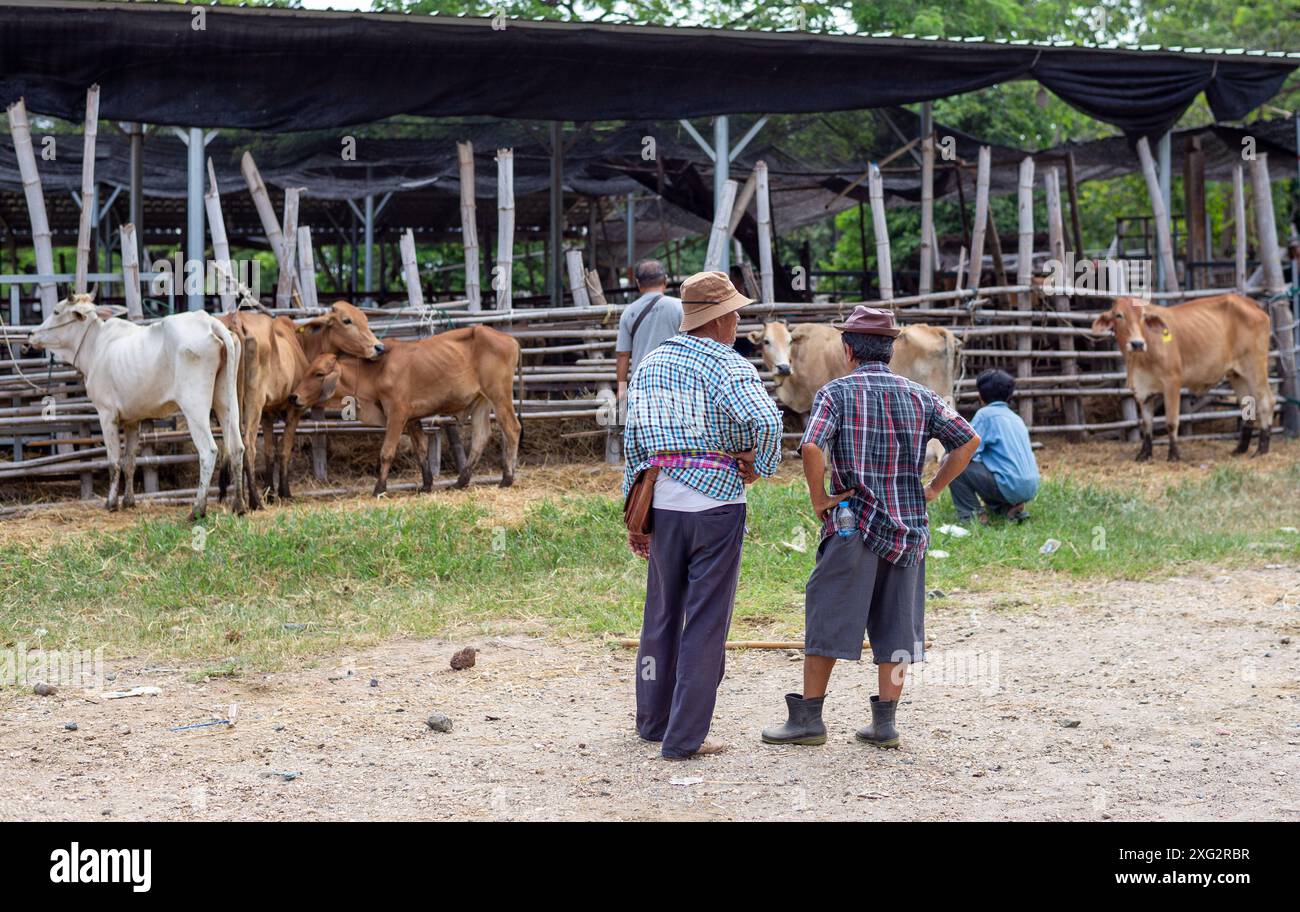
187	362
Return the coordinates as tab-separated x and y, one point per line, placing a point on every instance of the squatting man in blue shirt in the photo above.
1003	473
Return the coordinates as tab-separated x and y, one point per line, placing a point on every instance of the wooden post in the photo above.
288	252
262	203
88	200
307	268
131	273
981	217
320	460
718	237
21	132
1194	206
1239	223
925	283
1056	233
577	277
411	270
880	228
220	244
1024	276
1073	188
469	225
503	280
1164	241
764	207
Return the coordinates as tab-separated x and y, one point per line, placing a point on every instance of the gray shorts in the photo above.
853	591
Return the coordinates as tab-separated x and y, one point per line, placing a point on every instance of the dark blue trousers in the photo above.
690	590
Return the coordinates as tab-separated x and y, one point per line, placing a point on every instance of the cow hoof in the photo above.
196	514
507	481
128	504
1174	457
462	482
1143	457
110	506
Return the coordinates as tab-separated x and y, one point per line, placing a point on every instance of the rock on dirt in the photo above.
439	722
464	659
45	690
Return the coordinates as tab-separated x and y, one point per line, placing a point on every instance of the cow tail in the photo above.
232	375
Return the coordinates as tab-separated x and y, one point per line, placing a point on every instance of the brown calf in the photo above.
463	371
1194	345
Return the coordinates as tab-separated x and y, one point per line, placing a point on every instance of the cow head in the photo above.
318	383
1133	321
66	327
773	340
344	329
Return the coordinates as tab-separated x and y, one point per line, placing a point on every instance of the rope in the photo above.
14	357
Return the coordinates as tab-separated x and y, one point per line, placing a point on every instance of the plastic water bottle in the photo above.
845	525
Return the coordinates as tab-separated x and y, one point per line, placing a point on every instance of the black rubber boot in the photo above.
804	725
881	732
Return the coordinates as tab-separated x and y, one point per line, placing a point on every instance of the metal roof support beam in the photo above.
722	174
749	134
195	243
555	262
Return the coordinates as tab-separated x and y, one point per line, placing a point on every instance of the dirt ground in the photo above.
1176	698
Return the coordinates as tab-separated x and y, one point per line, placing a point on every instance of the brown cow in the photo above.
1194	345
273	364
468	370
807	356
275	359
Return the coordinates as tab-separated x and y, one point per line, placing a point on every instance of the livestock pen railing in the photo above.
1070	382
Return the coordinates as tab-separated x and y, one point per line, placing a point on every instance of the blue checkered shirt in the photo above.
692	393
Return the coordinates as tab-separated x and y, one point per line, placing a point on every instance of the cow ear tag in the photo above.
1167	335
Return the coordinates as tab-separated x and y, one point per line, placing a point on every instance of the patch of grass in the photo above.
300	582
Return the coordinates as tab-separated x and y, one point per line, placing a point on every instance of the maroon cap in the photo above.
869	320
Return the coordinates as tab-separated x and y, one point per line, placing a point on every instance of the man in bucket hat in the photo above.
698	411
870	571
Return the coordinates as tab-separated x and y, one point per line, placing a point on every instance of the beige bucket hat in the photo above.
707	296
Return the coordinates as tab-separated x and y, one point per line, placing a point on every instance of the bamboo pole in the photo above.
288	253
220	244
469	224
307	268
764	206
577	277
503	281
411	270
742	202
981	217
1279	305
718	236
884	266
1025	273
926	282
262	203
89	203
1266	225
21	131
1164	241
1239	224
131	273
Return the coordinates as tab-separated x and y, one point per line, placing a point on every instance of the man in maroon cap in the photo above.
870	572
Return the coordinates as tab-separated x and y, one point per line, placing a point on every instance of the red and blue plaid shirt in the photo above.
873	426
